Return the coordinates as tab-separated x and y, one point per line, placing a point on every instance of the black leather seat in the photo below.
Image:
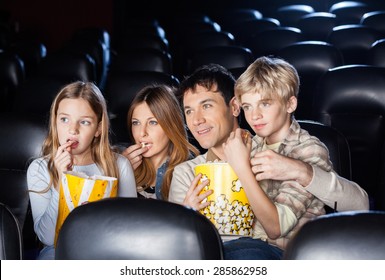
311	59
68	67
229	57
244	30
317	25
36	94
352	235
354	41
12	75
141	59
22	141
269	42
136	41
337	144
375	19
137	229
289	15
376	53
30	50
351	98
197	41
11	245
349	12
227	17
96	51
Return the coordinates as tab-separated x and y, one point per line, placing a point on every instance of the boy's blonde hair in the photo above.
271	77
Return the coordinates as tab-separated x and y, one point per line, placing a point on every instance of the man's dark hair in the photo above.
209	76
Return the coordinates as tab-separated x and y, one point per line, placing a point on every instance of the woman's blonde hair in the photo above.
166	109
101	151
271	77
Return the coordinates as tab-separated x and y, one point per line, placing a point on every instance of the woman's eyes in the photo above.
152	122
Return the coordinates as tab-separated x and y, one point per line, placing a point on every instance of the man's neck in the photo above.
212	156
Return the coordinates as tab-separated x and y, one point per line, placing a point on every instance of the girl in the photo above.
155	121
77	140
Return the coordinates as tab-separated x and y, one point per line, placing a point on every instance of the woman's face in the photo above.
147	131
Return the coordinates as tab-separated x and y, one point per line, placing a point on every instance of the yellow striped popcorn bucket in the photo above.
78	188
229	208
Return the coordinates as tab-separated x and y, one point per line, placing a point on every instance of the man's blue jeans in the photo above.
247	248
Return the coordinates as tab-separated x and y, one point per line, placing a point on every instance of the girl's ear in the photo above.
99	130
292	104
235	107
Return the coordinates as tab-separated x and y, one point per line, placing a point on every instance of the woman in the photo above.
156	125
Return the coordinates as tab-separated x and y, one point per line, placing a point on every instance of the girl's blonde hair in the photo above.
101	151
271	77
166	109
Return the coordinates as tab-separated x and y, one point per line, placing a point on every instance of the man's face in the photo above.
208	117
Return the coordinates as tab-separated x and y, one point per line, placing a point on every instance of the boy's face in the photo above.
208	117
268	118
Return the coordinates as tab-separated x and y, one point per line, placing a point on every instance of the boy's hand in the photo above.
237	149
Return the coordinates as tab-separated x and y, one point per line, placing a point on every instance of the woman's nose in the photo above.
143	131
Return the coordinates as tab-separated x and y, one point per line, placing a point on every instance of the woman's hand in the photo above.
194	198
134	154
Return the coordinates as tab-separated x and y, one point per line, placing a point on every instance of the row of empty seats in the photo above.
185	234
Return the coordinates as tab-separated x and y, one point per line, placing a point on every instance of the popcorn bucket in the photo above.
78	188
229	208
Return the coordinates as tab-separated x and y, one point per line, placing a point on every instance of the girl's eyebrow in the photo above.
83	117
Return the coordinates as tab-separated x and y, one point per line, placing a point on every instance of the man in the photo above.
211	113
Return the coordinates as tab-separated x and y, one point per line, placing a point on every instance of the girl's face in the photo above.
77	122
147	131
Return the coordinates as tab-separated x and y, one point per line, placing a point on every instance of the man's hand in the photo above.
194	197
271	165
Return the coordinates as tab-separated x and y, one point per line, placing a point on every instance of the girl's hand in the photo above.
134	154
194	197
63	160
